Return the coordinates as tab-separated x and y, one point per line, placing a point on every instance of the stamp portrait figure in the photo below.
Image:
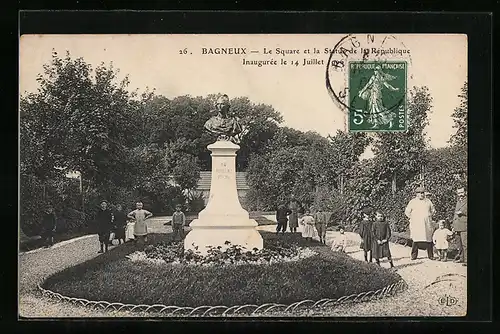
224	125
372	92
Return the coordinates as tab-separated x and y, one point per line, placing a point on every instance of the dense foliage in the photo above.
328	173
130	146
125	145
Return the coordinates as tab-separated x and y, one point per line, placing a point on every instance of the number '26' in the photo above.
358	117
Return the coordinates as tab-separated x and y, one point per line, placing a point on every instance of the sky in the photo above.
297	92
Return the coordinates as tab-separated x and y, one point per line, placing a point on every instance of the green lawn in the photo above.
114	278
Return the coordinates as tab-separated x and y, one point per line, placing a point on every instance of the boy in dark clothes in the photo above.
381	233
120	223
365	232
104	220
48	226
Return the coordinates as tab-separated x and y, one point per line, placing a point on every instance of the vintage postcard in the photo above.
261	175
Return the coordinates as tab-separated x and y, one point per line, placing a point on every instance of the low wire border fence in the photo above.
221	310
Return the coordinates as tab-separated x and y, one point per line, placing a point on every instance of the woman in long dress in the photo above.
293	218
372	92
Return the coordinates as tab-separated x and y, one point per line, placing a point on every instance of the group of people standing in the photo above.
288	214
375	233
312	223
423	232
121	226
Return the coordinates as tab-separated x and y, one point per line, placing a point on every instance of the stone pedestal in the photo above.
223	219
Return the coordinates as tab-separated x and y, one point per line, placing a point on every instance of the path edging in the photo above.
222	310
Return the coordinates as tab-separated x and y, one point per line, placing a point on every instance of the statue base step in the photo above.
204	235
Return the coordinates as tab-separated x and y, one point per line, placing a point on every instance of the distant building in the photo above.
203	186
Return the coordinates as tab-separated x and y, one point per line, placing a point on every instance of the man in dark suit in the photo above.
49	226
460	225
282	218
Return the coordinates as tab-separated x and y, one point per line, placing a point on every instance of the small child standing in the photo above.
320	221
178	222
340	243
365	232
120	224
440	239
307	221
129	230
381	233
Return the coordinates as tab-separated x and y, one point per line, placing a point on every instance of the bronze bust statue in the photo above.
222	124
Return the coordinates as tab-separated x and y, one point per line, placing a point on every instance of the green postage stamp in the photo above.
377	96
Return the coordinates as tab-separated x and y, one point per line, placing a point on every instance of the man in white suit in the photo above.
420	211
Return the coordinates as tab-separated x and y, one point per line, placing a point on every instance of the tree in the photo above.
459	139
184	118
82	118
400	156
443	180
274	176
304	164
459	115
260	123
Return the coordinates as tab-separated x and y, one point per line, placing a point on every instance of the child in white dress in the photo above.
340	243
129	230
440	239
307	221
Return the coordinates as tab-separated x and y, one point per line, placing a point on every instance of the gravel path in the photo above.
421	299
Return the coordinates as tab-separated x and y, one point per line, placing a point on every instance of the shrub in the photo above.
196	205
60	192
31	204
71	220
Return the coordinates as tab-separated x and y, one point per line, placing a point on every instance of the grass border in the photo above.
203	311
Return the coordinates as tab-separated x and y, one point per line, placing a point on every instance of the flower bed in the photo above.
115	279
174	253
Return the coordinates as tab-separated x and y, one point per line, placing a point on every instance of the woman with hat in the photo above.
293	218
420	210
